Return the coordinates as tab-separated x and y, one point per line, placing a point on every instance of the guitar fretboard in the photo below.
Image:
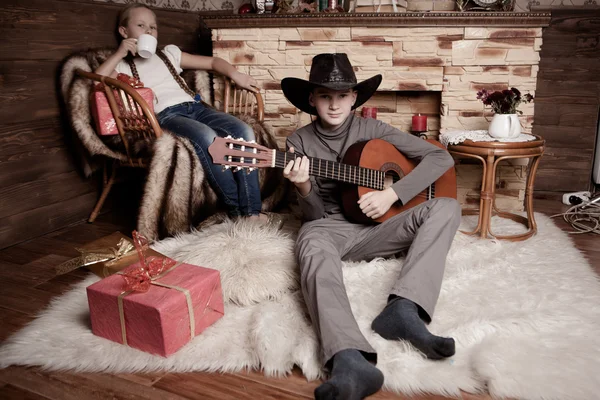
361	176
234	153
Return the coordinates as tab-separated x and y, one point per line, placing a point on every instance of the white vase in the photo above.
505	126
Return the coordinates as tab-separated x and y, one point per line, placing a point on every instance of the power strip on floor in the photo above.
575	198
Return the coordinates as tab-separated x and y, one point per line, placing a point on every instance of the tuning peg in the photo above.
228	137
226	167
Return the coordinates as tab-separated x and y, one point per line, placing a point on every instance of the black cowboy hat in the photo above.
331	71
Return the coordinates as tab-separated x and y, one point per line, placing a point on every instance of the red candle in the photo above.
419	123
369	112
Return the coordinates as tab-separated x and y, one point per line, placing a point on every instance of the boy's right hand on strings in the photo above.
127	46
297	169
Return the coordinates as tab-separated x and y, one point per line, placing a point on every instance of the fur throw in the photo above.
169	208
166	208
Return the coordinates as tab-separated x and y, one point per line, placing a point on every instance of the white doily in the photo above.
457	136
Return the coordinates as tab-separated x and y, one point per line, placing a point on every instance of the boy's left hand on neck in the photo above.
376	203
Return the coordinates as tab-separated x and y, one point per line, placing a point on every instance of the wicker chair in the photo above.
135	120
238	101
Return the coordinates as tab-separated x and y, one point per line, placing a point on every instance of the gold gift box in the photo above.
106	256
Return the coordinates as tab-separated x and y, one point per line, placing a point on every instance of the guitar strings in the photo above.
375	181
366	181
352	174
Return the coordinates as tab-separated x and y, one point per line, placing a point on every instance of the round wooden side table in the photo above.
490	154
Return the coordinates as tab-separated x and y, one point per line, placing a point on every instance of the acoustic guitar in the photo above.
369	165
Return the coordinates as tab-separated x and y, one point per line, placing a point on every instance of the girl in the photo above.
180	110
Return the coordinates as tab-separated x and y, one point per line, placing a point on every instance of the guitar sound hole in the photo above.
390	178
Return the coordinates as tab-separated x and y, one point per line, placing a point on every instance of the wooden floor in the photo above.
28	282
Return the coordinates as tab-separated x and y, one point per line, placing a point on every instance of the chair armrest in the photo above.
238	101
134	118
117	84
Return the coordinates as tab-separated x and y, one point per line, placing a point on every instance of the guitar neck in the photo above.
347	173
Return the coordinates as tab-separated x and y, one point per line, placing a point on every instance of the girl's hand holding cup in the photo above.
128	46
144	46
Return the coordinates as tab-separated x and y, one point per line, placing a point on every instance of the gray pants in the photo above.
426	230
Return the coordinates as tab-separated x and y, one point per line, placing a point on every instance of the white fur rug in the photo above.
525	316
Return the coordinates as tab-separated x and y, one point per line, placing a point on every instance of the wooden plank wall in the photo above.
41	187
568	101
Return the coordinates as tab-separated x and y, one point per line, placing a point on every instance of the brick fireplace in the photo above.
433	70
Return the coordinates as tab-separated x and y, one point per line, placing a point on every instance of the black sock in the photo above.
400	320
352	378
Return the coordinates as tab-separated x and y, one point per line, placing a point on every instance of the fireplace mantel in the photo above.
412	19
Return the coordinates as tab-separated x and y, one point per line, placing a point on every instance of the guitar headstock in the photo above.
238	153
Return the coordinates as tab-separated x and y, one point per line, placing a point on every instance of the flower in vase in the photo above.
505	101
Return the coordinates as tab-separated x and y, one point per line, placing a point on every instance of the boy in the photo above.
326	237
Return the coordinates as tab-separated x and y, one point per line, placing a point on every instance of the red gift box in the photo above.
105	120
156	312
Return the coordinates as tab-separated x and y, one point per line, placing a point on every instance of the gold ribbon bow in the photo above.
90	257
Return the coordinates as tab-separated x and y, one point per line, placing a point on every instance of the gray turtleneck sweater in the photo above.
324	199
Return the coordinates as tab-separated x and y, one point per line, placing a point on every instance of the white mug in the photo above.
146	45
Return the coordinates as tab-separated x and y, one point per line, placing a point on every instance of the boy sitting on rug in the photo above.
327	237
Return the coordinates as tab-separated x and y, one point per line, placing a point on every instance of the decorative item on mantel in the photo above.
369	112
505	122
485	5
419	125
430	5
306	7
283	7
263	6
246	9
287	6
332	6
377	6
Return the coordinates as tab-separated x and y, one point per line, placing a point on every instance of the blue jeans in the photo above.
239	191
